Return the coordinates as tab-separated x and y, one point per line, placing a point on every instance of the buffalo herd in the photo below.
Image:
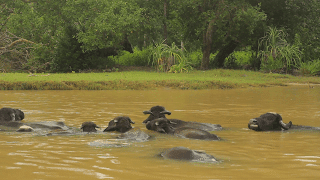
156	121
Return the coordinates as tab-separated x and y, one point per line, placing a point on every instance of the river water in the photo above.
243	153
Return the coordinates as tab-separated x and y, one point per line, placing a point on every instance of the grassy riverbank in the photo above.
138	80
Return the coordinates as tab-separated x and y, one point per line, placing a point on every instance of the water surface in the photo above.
244	154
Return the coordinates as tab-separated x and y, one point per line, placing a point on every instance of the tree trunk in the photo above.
224	52
165	32
207	43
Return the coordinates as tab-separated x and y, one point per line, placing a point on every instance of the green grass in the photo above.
212	79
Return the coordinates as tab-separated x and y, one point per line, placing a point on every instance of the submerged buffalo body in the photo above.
192	133
40	127
121	124
182	153
10	114
160	112
268	122
164	125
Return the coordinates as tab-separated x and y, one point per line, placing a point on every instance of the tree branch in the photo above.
15	42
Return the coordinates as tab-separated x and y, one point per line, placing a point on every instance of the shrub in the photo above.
276	53
169	59
310	68
195	58
137	58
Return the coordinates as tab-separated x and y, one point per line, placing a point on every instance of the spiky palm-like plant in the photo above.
276	53
169	59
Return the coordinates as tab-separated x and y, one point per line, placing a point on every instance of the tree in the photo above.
298	19
98	27
219	25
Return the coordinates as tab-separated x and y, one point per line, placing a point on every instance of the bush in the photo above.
310	68
195	58
276	53
169	59
137	58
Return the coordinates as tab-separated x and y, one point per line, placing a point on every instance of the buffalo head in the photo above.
89	127
121	124
268	122
162	125
9	114
155	113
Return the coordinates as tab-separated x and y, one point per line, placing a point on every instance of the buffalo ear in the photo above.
156	123
147	112
115	120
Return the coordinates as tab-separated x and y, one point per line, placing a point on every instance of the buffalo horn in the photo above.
284	125
13	117
252	126
171	122
131	121
147	112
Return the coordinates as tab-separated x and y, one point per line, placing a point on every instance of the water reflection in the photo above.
245	154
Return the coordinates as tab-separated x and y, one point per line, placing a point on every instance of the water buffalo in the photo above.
160	112
10	114
268	122
164	125
89	127
121	124
182	153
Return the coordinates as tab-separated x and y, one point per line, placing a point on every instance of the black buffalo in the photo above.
89	127
268	122
160	112
121	124
10	114
164	125
186	154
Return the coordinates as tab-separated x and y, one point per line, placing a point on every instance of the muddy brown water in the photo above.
244	154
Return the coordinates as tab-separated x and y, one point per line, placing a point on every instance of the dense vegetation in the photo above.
174	36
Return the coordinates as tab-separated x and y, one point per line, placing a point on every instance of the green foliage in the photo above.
240	59
102	24
276	53
195	58
310	68
169	59
70	57
98	27
137	58
41	59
